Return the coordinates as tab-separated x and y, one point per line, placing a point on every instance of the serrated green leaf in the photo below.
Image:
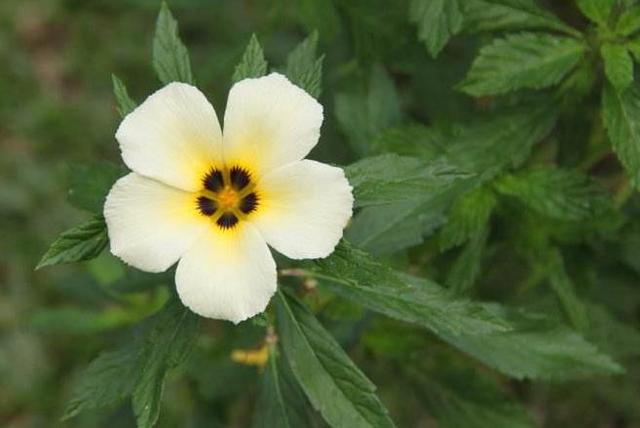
252	63
522	61
281	403
394	227
596	10
90	183
170	56
139	368
565	291
83	242
109	379
468	217
304	67
518	344
629	21
501	15
391	178
556	193
333	384
621	112
124	102
167	345
437	22
356	276
535	348
466	268
618	65
362	115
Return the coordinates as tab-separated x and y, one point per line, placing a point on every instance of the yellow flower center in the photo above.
227	196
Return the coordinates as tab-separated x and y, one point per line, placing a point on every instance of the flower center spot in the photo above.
227	196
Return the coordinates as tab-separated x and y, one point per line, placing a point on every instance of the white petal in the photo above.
303	209
227	275
174	137
269	122
150	224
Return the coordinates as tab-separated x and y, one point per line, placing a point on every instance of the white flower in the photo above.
212	202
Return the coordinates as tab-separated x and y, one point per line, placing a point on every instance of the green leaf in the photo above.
281	403
391	178
170	56
362	115
629	21
252	63
519	61
596	10
124	102
90	183
565	290
108	380
83	242
167	345
466	268
386	229
138	368
437	21
501	15
535	348
621	112
356	276
320	15
304	67
459	398
468	217
618	65
556	193
518	344
333	384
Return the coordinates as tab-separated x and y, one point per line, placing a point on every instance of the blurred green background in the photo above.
57	111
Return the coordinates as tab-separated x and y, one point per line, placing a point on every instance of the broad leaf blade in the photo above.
167	345
556	193
170	56
522	61
596	10
333	384
108	380
252	63
124	102
501	15
355	275
618	65
83	242
437	21
621	111
304	67
281	403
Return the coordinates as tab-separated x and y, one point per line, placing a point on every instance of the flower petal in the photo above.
303	209
227	275
269	122
174	137
151	225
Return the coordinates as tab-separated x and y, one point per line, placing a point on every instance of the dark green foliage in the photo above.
125	104
304	67
252	63
83	242
170	56
494	153
524	60
139	368
333	384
